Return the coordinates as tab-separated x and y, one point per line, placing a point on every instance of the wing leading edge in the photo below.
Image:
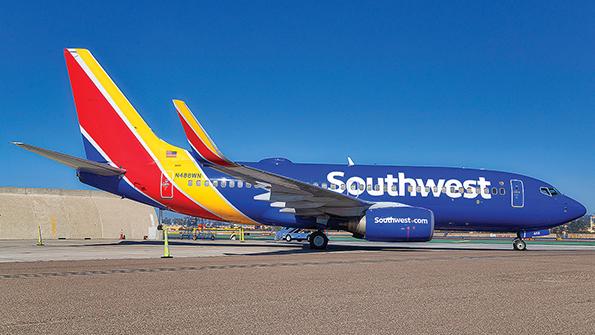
287	194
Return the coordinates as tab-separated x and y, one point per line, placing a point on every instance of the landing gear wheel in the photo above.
288	238
318	240
519	244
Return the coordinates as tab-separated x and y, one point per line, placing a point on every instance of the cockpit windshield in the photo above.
549	191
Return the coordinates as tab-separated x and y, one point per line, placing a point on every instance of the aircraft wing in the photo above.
79	164
287	194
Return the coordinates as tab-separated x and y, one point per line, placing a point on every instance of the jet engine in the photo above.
394	224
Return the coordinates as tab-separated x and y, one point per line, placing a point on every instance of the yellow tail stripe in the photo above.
207	197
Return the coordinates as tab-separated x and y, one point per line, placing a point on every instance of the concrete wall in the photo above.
71	214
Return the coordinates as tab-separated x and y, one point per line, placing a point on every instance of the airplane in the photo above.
373	202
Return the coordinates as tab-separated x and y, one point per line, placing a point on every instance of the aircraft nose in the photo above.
574	209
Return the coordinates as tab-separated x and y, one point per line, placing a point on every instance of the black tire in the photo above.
519	244
318	240
288	238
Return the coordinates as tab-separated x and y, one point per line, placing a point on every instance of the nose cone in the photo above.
574	209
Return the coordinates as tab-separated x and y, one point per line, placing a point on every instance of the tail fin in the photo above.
198	138
114	133
112	129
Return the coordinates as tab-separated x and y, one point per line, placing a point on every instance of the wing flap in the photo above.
79	164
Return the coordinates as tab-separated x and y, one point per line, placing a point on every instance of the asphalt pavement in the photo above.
272	288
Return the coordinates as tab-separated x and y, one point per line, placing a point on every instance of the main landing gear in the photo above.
318	240
518	243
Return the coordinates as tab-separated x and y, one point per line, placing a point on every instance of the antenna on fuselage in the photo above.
350	161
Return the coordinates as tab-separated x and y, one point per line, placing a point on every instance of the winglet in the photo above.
198	138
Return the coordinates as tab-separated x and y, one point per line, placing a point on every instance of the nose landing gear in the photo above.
318	240
518	243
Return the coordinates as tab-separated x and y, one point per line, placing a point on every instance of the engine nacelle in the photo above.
395	224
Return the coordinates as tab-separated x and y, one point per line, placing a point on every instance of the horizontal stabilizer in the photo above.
79	164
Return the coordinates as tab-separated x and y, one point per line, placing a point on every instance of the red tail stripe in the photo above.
109	131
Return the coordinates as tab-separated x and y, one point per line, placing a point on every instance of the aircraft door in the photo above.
517	193
166	188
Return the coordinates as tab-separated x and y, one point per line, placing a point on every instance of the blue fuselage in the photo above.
460	198
505	202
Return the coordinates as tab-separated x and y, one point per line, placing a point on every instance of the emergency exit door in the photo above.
517	193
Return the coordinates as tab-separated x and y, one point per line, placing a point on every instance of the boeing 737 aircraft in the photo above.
377	203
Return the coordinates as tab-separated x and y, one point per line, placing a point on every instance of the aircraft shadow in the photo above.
295	248
285	248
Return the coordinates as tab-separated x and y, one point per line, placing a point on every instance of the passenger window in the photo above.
353	186
361	187
206	183
377	187
315	184
240	184
494	191
324	185
189	182
215	183
453	189
343	187
198	183
502	191
333	187
461	190
248	185
394	188
232	184
486	191
223	183
410	189
427	189
369	187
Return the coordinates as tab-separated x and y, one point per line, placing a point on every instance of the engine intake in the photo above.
395	224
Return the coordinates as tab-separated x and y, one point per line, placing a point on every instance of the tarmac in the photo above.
265	287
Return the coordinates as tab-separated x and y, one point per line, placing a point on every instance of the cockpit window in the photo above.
549	191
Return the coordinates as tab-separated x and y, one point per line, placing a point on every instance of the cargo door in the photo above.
517	193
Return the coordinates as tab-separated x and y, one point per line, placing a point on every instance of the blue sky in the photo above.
504	85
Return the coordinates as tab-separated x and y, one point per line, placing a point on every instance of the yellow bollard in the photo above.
39	238
242	234
166	253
